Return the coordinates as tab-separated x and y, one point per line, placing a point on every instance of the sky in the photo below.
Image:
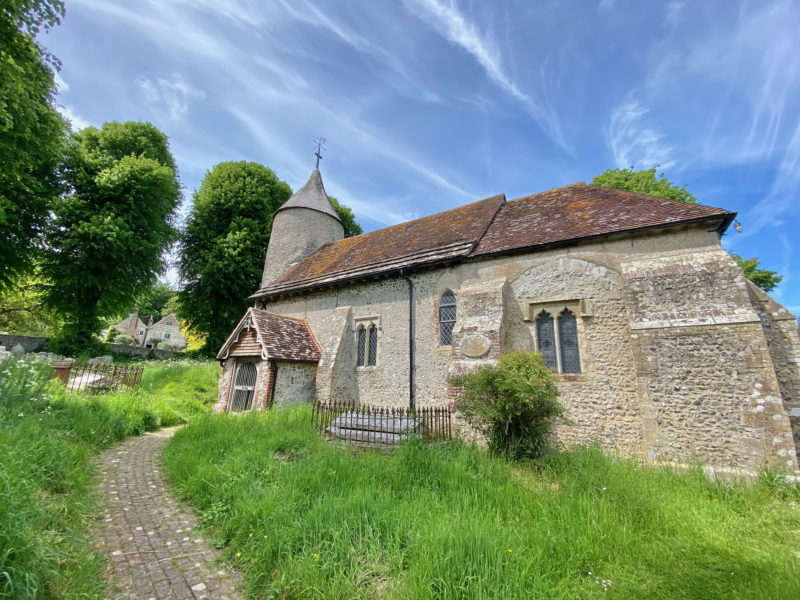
430	104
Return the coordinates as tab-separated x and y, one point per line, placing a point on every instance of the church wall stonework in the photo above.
783	342
675	363
294	383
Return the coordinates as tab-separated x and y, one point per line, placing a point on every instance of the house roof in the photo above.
312	195
129	322
280	338
490	226
170	317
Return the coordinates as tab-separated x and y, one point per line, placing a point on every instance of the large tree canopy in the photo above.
645	182
107	240
155	302
31	132
223	245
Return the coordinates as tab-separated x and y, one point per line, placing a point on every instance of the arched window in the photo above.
447	318
362	345
372	357
568	341
546	340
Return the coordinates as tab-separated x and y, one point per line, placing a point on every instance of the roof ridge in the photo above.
488	225
272	314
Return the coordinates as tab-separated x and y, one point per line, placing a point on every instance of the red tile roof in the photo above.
432	239
490	226
580	211
281	338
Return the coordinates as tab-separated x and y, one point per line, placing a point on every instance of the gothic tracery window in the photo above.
362	345
568	342
546	340
557	341
447	318
372	356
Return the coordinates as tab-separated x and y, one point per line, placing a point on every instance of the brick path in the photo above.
149	536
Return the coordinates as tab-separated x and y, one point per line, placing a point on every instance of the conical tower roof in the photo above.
312	195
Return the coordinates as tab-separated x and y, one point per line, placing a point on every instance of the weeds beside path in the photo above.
48	437
148	537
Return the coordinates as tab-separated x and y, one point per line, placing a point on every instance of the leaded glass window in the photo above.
546	340
372	357
362	346
447	318
568	341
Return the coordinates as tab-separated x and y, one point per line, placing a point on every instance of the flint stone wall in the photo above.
294	383
675	362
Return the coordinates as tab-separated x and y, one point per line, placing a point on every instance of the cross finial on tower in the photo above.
320	141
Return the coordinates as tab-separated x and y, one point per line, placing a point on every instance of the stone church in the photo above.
661	347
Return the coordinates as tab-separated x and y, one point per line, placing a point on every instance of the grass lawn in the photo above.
305	519
47	439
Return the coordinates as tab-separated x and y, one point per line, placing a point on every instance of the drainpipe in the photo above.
412	405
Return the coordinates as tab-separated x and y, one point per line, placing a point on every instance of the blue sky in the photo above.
430	104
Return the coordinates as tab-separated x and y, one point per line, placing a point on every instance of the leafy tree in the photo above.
351	228
155	301
108	235
223	245
31	132
644	182
763	278
22	311
513	403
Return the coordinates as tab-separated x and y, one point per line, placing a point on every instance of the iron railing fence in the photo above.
97	378
381	426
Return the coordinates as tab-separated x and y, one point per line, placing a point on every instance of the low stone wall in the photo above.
31	344
37	344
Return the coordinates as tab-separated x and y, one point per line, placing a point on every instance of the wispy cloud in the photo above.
454	26
76	122
61	85
783	195
172	96
674	12
632	142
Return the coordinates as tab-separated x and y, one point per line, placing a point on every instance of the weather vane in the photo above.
320	142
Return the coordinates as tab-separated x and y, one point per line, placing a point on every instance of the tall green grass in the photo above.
47	439
189	386
305	519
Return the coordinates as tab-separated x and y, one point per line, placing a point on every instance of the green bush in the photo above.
513	403
124	339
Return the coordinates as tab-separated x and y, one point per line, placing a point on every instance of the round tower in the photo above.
300	227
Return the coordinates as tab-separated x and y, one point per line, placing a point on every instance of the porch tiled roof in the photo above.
280	338
490	226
